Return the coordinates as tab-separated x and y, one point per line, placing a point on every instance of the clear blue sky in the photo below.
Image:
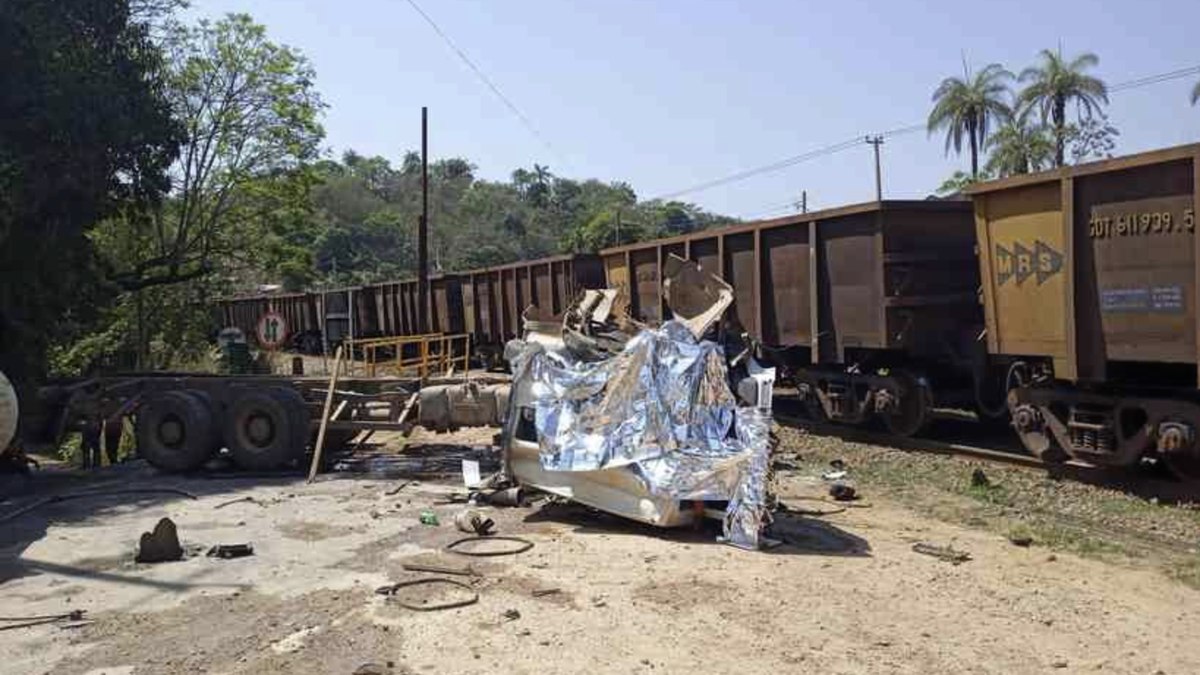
672	93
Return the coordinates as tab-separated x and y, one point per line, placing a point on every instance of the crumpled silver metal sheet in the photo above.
662	407
745	516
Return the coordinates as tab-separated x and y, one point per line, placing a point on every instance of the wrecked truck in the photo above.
655	424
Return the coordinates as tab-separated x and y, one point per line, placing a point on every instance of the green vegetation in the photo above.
969	105
148	166
1033	132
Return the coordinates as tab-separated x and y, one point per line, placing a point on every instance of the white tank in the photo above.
8	413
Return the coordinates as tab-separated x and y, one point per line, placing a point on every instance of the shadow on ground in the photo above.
798	535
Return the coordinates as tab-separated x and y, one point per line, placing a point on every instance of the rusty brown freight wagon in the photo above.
391	308
1090	283
495	297
302	311
871	308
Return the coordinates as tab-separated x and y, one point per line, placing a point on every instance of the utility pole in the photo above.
423	230
804	201
877	141
618	226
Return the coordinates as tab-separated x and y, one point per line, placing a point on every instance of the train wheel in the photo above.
911	412
267	428
175	431
1177	448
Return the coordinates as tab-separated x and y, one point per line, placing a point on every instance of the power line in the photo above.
898	131
485	79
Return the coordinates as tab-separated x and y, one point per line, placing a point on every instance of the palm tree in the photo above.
1018	147
1054	83
967	106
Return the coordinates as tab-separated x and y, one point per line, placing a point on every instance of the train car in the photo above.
1090	279
494	298
302	311
871	309
390	308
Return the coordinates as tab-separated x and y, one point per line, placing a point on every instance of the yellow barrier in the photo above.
427	354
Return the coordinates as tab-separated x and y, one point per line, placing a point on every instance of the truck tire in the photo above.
267	428
175	431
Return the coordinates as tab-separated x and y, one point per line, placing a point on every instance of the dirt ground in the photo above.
846	594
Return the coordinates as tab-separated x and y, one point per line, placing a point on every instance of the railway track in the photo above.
948	435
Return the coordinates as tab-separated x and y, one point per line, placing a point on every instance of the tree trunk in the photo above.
971	128
1060	113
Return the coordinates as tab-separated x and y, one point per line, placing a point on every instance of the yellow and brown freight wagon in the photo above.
1089	283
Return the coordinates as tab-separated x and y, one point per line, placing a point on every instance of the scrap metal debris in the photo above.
391	592
640	422
522	545
440	569
160	545
473	521
15	622
942	553
230	551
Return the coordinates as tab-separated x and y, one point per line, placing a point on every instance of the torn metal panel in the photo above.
696	297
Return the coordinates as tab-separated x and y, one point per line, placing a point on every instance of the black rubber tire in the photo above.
266	428
175	431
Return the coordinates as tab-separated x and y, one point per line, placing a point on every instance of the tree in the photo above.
1091	138
85	133
1056	83
1196	93
249	109
968	105
1018	147
960	181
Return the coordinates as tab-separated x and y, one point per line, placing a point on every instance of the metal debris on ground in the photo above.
392	589
473	521
396	490
250	500
440	569
15	622
230	551
513	496
486	552
429	517
942	552
512	614
637	425
842	492
543	592
160	545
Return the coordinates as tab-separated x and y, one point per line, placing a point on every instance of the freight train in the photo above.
1063	301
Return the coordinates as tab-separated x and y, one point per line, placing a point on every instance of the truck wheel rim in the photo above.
260	430
170	431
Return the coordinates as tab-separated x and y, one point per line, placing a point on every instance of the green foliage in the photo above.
1054	84
1091	139
1018	147
967	106
85	133
961	180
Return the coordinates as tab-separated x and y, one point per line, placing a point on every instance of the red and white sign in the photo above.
272	330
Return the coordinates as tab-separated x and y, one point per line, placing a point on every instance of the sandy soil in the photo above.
594	595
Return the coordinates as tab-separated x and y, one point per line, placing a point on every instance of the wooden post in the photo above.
316	460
